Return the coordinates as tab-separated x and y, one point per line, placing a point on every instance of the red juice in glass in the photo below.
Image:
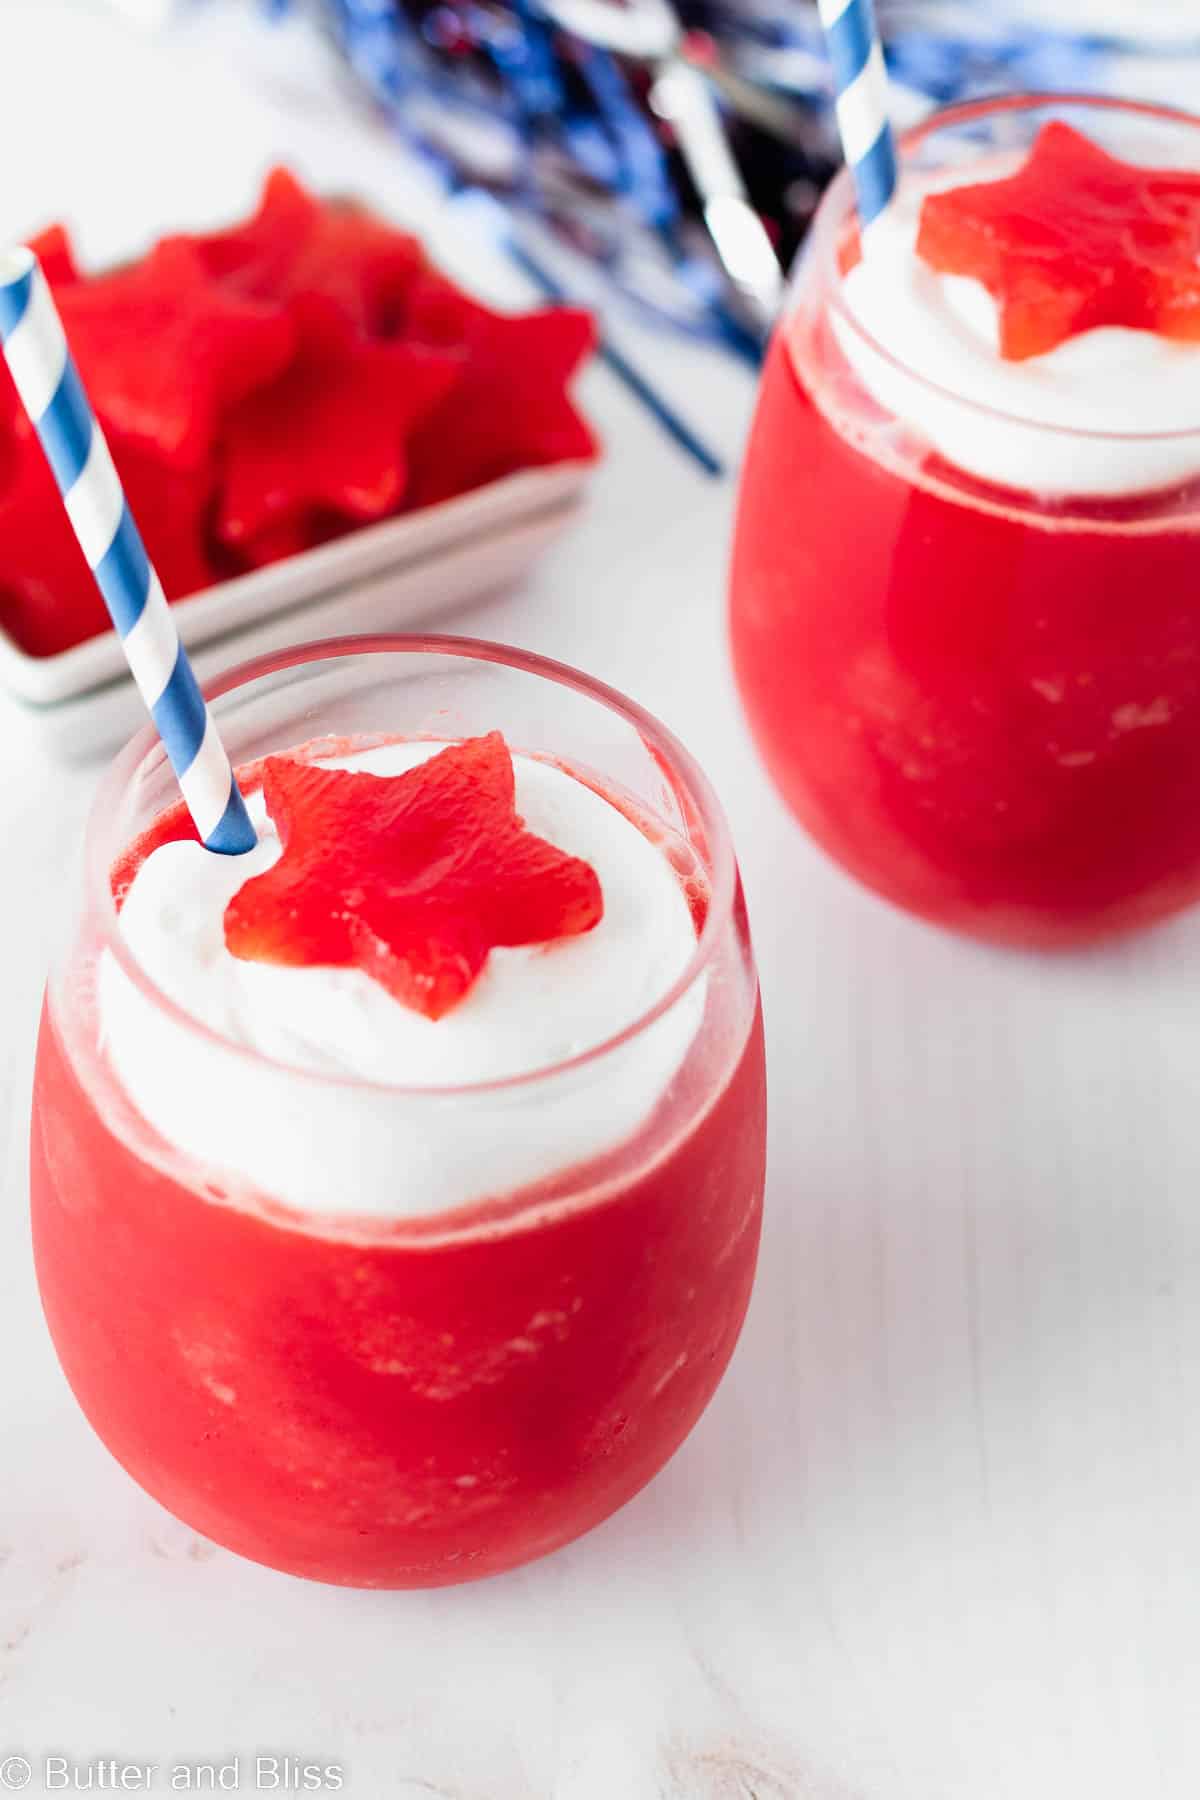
378	1298
964	591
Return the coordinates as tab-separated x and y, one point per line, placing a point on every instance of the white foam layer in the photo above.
331	1146
945	329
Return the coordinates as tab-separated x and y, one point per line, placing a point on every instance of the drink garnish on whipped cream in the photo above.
565	988
1063	295
413	878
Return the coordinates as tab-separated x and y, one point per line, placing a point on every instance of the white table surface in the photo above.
936	1538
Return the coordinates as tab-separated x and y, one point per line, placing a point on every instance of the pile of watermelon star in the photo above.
269	387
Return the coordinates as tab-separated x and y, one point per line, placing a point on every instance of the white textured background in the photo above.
937	1537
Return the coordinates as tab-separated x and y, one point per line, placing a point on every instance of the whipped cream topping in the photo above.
337	1147
945	328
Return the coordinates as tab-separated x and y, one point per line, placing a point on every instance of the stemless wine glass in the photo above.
983	701
440	1373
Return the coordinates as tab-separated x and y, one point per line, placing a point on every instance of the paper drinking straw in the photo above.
860	93
44	372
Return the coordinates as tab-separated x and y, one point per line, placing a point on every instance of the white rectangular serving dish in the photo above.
384	577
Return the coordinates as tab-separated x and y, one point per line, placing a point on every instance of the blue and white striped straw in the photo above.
44	372
861	99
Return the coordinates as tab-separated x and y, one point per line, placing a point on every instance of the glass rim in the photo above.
838	203
682	770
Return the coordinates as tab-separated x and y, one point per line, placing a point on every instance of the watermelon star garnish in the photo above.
329	435
412	878
358	266
173	508
512	408
254	258
164	350
1074	240
56	253
48	597
361	267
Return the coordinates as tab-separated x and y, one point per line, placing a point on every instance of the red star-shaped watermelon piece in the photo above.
334	253
56	253
292	537
329	435
256	257
173	508
164	351
1074	240
48	598
11	413
412	878
511	409
359	266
